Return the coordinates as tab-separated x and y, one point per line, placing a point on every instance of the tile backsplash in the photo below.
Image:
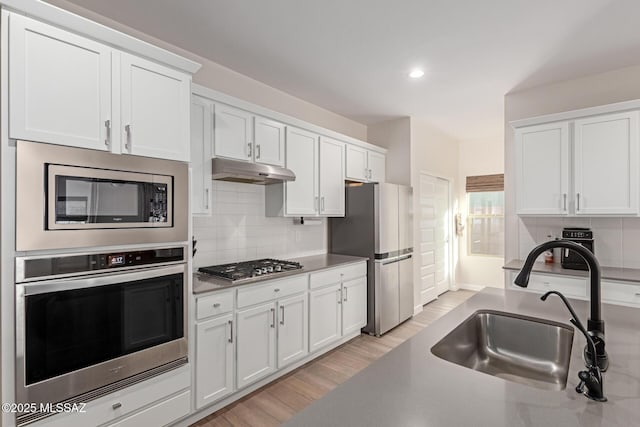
238	229
617	240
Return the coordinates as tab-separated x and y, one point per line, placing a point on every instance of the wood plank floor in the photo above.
280	400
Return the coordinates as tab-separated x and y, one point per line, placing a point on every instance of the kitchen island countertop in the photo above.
206	283
409	386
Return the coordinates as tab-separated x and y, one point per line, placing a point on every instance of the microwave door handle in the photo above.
56	285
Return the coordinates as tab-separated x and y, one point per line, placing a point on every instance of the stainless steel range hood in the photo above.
250	173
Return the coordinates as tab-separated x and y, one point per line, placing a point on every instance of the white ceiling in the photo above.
352	56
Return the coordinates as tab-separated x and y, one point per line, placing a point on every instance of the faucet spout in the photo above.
595	324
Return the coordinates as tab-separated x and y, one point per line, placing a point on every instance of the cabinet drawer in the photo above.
160	414
626	293
276	289
322	278
569	286
213	305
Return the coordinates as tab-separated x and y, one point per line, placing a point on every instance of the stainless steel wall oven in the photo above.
91	323
72	197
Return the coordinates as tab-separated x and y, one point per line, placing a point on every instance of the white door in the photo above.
269	141
214	360
201	140
331	177
233	135
377	166
293	329
325	315
155	109
60	88
302	158
256	343
356	163
354	305
434	237
542	165
606	164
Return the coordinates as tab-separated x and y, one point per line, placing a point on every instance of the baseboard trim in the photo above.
470	287
417	309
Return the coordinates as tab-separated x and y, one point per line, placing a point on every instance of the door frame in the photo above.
453	246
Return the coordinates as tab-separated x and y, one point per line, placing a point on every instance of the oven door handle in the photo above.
57	285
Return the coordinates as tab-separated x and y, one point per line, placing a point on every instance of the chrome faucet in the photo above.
595	325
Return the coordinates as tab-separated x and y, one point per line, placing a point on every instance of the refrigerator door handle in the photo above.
395	259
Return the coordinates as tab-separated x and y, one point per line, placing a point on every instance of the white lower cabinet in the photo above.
214	359
256	343
293	337
354	305
325	316
160	414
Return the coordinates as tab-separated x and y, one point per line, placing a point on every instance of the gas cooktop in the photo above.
236	272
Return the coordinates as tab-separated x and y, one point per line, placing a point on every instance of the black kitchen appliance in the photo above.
583	236
239	271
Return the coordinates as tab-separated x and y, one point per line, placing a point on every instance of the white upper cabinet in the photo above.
155	109
331	177
606	164
68	90
269	141
364	165
586	166
542	162
201	142
60	86
233	133
301	195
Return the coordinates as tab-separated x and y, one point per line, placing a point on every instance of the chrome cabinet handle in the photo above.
276	290
315	203
564	198
230	330
216	305
346	294
339	291
369	173
273	317
366	173
128	143
116	405
257	151
250	151
107	125
322	204
206	198
578	202
282	314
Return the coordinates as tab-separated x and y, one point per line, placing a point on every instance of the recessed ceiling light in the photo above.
416	74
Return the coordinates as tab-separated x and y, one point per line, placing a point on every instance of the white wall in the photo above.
434	153
617	240
238	230
220	78
477	157
395	136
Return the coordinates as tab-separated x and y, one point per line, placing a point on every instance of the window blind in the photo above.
485	183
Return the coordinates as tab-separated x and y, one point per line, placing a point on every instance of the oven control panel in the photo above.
35	268
577	234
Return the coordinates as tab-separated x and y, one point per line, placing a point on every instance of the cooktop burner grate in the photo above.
249	269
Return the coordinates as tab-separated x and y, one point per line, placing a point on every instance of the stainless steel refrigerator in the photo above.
378	224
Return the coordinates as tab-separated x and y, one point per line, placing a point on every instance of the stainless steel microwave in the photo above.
73	197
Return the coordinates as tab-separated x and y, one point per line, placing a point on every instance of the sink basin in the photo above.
522	349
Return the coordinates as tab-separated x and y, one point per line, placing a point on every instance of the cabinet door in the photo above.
377	166
606	164
354	305
60	87
269	141
331	177
155	109
542	165
233	136
325	316
301	195
214	360
356	169
293	327
201	141
256	343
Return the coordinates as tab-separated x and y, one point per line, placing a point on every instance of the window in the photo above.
485	223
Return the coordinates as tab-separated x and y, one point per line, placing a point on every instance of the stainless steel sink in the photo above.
516	348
